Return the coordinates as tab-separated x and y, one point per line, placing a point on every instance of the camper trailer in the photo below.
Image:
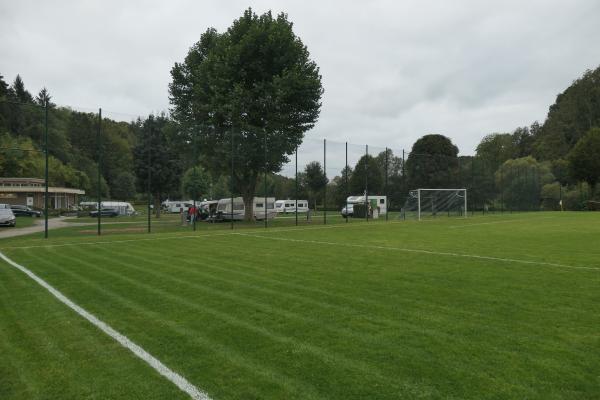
289	206
224	211
122	207
378	205
177	206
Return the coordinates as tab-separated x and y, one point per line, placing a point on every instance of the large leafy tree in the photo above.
153	151
584	159
315	180
367	174
521	181
253	82
123	186
195	183
495	149
432	162
575	112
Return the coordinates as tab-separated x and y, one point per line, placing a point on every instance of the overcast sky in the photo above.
392	70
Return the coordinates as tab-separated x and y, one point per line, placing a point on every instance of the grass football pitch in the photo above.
489	307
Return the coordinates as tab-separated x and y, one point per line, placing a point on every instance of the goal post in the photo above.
422	203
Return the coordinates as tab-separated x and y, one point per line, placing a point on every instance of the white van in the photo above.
289	206
224	208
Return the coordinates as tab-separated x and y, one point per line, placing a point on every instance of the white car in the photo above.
7	218
348	211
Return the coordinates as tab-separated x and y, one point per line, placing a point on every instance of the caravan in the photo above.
121	207
289	206
224	211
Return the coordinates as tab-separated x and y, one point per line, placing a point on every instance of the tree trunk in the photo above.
248	196
157	204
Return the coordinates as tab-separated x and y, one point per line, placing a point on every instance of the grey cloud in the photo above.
392	71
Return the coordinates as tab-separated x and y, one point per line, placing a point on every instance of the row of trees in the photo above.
253	91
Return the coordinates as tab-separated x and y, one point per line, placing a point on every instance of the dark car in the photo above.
24	210
105	212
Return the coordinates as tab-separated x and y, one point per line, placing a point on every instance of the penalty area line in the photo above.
178	380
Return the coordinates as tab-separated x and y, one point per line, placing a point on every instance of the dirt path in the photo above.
53	223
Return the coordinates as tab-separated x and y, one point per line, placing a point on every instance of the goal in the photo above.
423	203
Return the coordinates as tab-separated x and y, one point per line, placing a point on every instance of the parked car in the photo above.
104	212
7	218
24	210
348	211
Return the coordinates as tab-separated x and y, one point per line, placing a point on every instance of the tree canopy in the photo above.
367	174
584	159
574	113
251	85
432	162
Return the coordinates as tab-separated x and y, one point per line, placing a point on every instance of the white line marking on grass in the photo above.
439	253
172	376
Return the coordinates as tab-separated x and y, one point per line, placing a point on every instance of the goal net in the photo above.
428	203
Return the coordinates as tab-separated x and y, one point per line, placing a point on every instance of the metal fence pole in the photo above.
99	216
405	187
196	176
386	183
296	196
347	188
149	184
265	205
46	172
367	182
325	189
231	184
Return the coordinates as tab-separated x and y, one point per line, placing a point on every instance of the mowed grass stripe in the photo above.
50	352
317	356
345	308
150	254
446	328
283	335
165	331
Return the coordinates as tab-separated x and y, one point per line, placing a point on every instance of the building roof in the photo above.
32	185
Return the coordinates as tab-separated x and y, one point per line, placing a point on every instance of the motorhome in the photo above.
122	207
378	205
289	206
224	211
177	206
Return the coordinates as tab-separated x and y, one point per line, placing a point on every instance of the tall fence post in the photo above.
231	184
405	186
99	216
325	189
195	194
149	184
367	182
296	182
46	172
386	184
265	183
347	188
